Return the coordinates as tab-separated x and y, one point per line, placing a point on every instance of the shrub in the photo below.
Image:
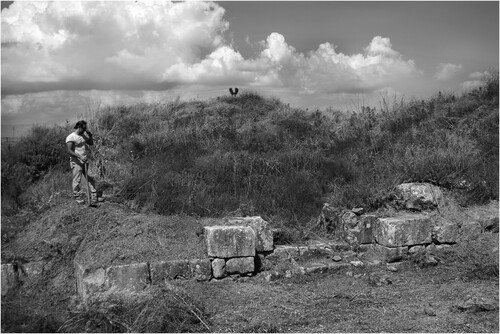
29	160
43	149
158	310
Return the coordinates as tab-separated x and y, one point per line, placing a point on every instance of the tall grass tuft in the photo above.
158	310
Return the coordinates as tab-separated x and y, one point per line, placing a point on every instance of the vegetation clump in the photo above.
160	310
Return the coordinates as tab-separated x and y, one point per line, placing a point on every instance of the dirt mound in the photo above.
117	237
108	235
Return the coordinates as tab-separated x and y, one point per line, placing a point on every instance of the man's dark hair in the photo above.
80	124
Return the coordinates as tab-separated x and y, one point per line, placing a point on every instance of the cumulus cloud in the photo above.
480	75
107	42
446	71
477	80
160	45
380	66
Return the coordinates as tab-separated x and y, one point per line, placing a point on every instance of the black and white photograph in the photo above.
249	166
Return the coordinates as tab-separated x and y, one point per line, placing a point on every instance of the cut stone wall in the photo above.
232	250
243	246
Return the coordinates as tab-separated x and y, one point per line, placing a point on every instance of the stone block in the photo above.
32	270
404	230
201	269
391	254
169	270
230	241
240	265
263	233
128	278
314	252
337	266
219	268
445	232
89	282
358	211
284	252
9	278
316	268
419	196
470	229
434	249
416	250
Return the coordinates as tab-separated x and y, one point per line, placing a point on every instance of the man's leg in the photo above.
93	191
77	177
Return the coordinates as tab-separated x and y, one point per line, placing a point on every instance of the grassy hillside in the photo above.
251	155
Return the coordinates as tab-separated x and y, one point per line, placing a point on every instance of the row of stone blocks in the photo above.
232	248
394	236
244	245
406	234
132	278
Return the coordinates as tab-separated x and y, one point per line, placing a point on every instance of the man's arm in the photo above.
71	151
90	140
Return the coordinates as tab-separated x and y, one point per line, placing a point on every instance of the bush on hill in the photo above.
29	160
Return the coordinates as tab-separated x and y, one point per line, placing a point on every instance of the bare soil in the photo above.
335	302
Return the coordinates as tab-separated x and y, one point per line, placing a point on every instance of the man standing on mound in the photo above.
78	143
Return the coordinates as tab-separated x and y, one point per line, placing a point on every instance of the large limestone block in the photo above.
391	254
263	233
240	265
445	232
89	282
169	270
9	278
128	278
419	196
201	269
219	268
404	230
230	241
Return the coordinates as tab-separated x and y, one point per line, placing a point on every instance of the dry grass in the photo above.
156	310
339	303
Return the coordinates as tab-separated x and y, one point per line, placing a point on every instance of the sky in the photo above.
64	60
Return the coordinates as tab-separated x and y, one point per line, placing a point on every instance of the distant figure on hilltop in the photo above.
233	93
78	143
